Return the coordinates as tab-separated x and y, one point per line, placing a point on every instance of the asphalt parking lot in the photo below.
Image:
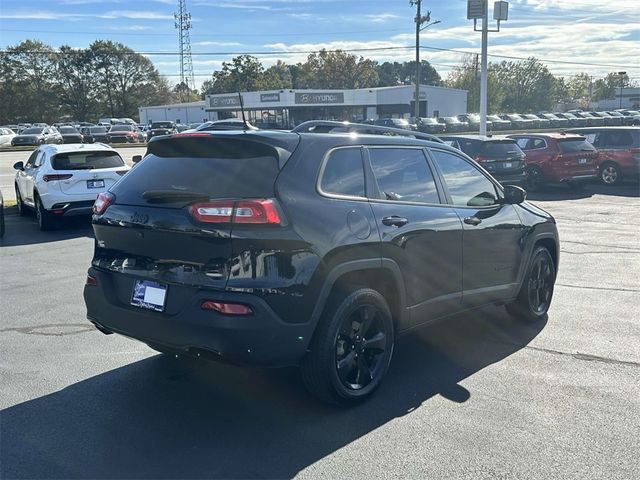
476	396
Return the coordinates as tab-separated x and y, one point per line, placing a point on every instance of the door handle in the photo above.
394	221
472	221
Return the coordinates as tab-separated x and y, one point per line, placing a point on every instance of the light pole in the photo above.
621	75
420	25
478	10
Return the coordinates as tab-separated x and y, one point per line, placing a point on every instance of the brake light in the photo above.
91	281
60	176
102	202
235	309
257	212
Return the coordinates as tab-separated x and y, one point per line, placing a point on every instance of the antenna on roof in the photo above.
245	125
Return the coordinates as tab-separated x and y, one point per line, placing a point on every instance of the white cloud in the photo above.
381	17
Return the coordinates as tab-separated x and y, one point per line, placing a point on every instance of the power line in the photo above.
305	52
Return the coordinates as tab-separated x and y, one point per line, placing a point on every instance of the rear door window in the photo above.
403	174
501	148
86	161
467	186
617	139
343	173
575	145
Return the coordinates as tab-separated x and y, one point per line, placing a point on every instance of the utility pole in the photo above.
621	75
420	25
478	10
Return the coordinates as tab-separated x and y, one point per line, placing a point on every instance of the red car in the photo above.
557	158
619	149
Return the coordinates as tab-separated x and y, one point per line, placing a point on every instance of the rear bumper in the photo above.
259	339
70	209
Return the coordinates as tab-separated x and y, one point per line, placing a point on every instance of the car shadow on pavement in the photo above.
24	230
169	418
562	192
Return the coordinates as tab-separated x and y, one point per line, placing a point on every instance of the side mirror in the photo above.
18	166
514	195
136	158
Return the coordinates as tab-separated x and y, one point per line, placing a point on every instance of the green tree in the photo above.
336	69
277	76
28	75
527	86
77	83
243	74
466	76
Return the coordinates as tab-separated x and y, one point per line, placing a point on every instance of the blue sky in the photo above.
606	34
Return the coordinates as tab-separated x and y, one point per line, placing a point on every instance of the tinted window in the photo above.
500	148
526	143
86	160
162	125
403	174
99	130
575	145
67	130
467	185
617	139
343	173
32	131
121	128
215	168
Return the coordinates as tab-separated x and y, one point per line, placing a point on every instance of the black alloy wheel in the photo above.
351	349
536	291
360	346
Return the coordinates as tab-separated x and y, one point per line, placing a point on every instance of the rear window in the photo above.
99	130
32	130
121	128
210	167
67	130
575	145
500	148
343	173
161	125
86	161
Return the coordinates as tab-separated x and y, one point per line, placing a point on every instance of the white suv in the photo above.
64	180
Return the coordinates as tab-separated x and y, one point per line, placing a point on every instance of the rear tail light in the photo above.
102	202
257	212
91	281
52	177
234	309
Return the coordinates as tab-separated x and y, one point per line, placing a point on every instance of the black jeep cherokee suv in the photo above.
281	248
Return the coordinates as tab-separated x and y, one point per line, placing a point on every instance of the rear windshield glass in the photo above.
121	128
86	160
500	148
99	130
67	130
575	145
194	166
161	125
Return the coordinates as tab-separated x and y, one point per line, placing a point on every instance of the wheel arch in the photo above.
382	275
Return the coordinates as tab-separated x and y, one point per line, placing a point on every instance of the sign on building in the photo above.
319	97
269	97
226	101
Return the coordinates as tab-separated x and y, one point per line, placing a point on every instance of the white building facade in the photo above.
289	107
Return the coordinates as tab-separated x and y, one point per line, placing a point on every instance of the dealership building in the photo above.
292	107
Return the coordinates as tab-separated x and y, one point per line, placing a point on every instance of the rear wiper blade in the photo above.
167	196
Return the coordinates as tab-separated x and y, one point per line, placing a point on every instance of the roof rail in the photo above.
328	126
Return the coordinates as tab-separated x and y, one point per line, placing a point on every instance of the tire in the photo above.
22	211
536	292
610	174
44	218
535	179
344	367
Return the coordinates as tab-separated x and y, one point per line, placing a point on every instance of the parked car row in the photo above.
470	122
572	157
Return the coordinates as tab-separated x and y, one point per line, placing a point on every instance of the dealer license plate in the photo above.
508	165
149	295
582	161
95	183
